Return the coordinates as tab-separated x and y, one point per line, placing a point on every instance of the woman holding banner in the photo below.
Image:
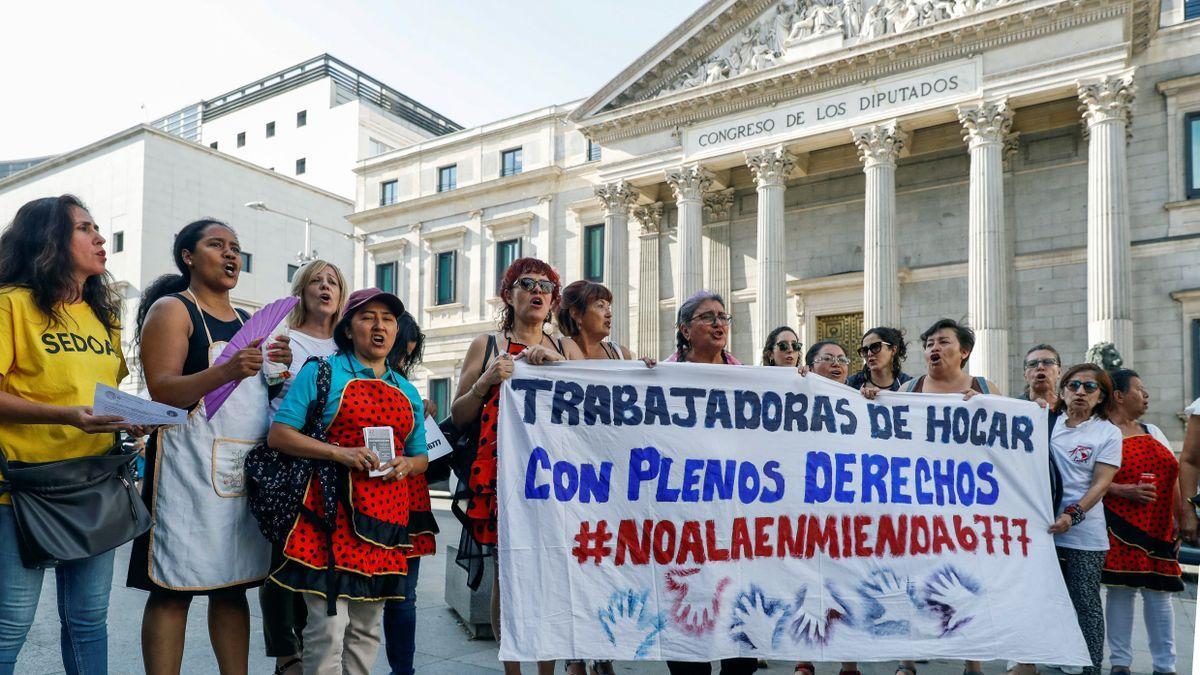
1140	512
322	291
1087	449
883	351
827	359
204	540
530	292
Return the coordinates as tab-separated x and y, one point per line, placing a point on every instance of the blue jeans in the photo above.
400	624
83	589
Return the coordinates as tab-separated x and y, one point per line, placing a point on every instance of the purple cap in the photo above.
359	298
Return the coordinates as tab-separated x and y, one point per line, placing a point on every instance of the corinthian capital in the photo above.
879	143
649	217
1108	100
616	197
718	205
689	182
985	123
770	166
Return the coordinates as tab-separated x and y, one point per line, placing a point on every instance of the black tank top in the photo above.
221	331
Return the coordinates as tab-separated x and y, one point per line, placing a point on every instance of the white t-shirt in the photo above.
1194	408
1077	451
303	346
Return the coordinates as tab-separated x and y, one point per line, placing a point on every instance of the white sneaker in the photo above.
1071	670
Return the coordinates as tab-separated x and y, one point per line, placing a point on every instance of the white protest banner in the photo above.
695	512
435	441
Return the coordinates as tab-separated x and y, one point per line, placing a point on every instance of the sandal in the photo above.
287	665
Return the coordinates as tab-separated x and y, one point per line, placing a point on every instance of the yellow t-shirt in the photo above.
58	364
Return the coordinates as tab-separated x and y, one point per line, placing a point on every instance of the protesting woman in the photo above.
1139	511
349	569
1087	450
529	291
701	334
204	540
827	359
400	616
54	296
883	352
322	291
782	348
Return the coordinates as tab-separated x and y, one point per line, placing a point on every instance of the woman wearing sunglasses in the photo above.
829	360
783	348
530	292
1087	449
882	351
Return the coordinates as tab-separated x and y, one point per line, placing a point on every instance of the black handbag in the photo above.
73	509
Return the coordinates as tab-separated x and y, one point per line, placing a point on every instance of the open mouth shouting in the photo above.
378	339
230	269
935	358
325	297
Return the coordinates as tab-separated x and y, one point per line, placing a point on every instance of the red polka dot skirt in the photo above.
481	507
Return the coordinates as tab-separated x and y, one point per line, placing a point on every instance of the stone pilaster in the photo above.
616	199
878	147
1106	108
770	168
718	214
649	331
689	183
985	129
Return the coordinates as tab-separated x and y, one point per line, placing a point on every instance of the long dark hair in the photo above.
767	359
35	253
895	338
185	240
407	331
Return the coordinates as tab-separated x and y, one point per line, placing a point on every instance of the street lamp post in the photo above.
308	254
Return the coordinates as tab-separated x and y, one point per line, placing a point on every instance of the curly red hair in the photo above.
520	267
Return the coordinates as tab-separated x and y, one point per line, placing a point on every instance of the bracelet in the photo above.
475	393
1076	512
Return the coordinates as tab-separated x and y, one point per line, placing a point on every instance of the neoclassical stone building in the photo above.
1025	165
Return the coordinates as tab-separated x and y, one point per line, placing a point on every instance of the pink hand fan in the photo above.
259	327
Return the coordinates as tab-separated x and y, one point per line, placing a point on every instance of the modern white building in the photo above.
313	121
1026	165
143	185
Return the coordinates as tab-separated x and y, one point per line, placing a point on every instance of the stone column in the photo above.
650	219
878	147
985	129
616	199
689	183
1106	106
770	168
718	214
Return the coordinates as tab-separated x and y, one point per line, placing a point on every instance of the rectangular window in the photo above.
241	139
387	192
447	178
291	273
593	253
302	118
1191	142
439	395
247	263
506	253
376	148
444	293
385	277
270	129
593	151
510	162
1191	10
118	242
301	166
213	145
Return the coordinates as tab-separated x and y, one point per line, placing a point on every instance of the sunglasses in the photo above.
788	346
1034	363
714	319
535	285
829	358
1089	387
872	348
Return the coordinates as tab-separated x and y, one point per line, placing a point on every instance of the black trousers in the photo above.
739	666
284	615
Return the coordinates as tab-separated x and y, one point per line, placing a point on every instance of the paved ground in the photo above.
443	646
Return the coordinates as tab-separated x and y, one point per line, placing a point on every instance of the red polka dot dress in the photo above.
1141	536
481	507
371	542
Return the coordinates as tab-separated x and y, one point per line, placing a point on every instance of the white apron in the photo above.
204	537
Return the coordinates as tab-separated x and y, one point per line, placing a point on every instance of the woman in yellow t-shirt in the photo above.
59	335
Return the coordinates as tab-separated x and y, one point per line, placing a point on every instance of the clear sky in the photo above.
76	71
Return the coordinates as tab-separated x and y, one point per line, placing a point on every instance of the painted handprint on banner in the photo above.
816	610
891	606
954	597
695	605
629	624
758	621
